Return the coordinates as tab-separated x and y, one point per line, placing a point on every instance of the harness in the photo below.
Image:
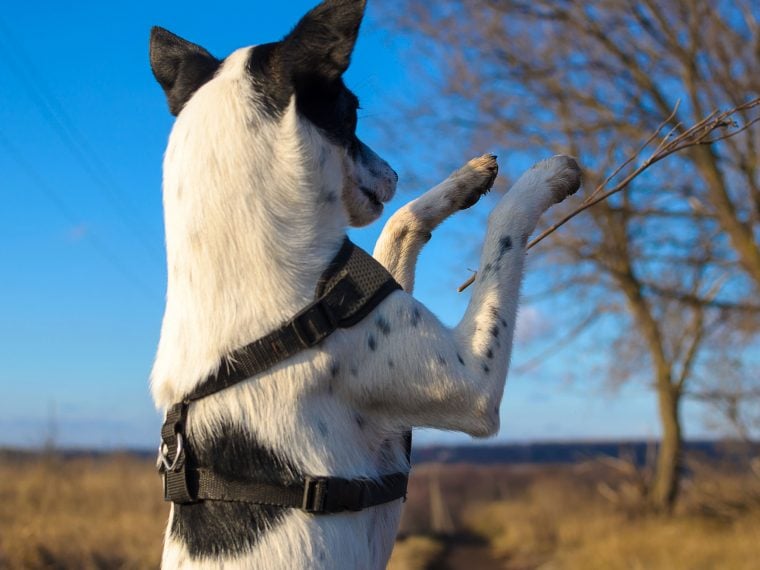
350	288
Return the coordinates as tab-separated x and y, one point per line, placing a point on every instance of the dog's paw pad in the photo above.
478	176
486	163
565	176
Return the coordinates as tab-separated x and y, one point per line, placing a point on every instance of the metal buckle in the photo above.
164	462
314	493
314	324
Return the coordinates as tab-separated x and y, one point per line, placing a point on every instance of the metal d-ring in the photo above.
163	459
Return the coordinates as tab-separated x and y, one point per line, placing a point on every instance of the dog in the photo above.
263	173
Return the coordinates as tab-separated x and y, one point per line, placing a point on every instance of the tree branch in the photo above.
697	134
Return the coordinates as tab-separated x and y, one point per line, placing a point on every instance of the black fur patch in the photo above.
181	67
331	108
505	244
218	528
372	343
334	371
383	325
415	317
322	42
460	359
315	56
273	87
309	62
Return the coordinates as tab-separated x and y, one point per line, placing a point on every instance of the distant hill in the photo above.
490	454
565	452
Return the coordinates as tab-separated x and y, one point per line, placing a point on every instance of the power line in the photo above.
105	253
57	118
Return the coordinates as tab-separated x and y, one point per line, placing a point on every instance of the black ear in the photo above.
322	42
179	66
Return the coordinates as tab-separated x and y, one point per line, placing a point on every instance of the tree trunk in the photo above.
740	233
663	491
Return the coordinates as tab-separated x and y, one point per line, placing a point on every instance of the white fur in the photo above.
248	233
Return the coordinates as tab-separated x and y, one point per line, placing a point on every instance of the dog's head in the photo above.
302	73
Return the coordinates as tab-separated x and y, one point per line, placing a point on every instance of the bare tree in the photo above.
670	263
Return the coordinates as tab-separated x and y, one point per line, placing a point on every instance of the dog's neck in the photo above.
253	217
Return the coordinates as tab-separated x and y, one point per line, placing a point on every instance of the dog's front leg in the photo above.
410	228
416	371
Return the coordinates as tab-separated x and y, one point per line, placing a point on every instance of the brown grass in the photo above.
107	513
84	513
556	524
415	553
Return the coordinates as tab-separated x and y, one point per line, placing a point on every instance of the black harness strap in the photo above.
351	287
320	495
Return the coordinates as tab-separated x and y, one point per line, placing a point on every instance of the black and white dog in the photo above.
262	175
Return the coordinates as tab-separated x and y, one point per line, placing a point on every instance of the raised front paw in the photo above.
563	176
473	180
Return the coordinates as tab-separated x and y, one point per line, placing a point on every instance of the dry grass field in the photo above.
107	513
87	514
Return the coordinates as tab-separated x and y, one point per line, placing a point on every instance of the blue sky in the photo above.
82	131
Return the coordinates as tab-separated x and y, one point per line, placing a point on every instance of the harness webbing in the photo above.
351	287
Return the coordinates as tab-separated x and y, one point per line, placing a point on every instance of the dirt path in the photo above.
472	557
468	553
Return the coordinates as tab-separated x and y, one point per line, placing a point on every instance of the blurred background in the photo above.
633	404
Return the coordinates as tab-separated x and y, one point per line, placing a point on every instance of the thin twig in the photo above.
695	135
470	280
641	149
